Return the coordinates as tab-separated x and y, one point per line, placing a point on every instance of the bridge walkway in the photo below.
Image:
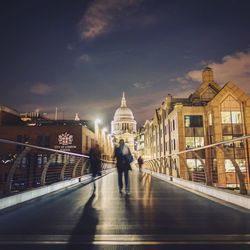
155	215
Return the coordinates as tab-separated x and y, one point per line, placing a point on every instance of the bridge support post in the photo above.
84	164
75	167
13	169
188	175
64	167
243	189
208	174
45	169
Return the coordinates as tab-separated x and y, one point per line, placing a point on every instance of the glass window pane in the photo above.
190	142
191	164
187	121
242	164
236	117
225	117
199	141
229	167
210	121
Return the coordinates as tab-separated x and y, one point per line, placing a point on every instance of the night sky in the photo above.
80	56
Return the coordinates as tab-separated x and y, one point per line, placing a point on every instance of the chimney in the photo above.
207	75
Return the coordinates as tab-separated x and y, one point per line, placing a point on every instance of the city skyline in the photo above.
80	56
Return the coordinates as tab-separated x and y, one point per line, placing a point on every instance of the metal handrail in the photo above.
46	174
43	148
200	148
49	149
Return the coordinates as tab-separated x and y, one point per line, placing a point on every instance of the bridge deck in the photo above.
155	213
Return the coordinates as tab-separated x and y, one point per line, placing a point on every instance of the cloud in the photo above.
85	58
180	80
183	88
234	68
142	85
101	16
41	89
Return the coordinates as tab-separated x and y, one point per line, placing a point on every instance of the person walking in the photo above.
124	158
95	162
140	163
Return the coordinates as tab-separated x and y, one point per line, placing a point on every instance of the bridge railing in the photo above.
223	164
24	166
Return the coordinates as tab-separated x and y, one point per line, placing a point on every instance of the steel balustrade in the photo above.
24	173
207	176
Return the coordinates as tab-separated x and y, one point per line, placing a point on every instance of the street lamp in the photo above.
104	130
98	121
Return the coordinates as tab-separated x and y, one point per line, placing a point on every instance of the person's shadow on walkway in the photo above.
83	234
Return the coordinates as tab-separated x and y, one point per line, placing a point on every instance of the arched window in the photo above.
230	111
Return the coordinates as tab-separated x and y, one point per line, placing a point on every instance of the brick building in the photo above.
211	114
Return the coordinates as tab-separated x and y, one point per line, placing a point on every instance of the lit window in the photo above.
39	160
225	117
193	142
230	111
193	121
24	162
236	117
194	164
210	120
229	167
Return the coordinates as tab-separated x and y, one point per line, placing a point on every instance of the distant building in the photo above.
140	142
124	125
71	138
211	114
9	116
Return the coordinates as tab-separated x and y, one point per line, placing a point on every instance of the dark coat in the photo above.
122	160
95	161
140	161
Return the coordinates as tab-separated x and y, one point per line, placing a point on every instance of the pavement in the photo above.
155	215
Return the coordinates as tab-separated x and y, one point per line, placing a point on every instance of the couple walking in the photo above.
124	158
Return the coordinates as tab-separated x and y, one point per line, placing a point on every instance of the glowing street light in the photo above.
104	130
98	121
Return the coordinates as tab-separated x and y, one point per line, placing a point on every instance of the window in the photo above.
173	144
173	125
24	162
59	158
236	144
193	121
45	159
194	164
229	167
43	140
72	159
225	117
39	160
230	111
210	120
233	117
193	142
236	117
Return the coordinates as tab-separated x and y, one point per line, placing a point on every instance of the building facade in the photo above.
211	114
124	125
